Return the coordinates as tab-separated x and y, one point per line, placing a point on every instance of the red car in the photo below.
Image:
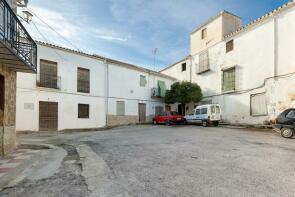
169	118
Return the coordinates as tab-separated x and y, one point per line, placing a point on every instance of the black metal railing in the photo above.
156	93
15	36
48	81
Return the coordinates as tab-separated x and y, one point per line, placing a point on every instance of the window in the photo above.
204	33
83	80
204	111
258	104
183	67
120	108
230	46
142	81
291	114
48	74
198	111
83	111
228	80
204	63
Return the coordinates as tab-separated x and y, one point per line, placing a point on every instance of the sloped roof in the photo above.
109	60
262	18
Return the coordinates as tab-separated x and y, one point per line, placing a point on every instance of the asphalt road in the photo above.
186	161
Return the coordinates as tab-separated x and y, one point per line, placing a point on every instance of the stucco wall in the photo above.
109	83
176	70
257	58
67	96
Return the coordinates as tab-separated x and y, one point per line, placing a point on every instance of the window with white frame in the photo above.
258	104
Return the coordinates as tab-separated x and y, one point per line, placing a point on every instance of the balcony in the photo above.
18	50
48	81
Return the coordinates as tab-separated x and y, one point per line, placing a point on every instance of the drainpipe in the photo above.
275	21
106	91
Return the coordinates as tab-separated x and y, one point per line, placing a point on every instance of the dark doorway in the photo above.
2	99
181	109
142	112
48	116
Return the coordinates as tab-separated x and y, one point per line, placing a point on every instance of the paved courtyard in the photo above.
197	161
182	161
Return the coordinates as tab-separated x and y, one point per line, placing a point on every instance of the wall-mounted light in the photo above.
28	16
22	3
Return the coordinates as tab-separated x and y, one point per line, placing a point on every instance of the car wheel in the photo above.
167	123
205	124
287	132
216	123
155	122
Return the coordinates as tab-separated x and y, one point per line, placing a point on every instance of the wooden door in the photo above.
142	112
48	116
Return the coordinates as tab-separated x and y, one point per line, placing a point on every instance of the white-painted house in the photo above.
249	70
75	90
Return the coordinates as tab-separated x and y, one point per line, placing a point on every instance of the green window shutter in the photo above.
162	88
120	108
143	81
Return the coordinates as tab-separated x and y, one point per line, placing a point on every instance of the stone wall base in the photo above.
7	140
122	120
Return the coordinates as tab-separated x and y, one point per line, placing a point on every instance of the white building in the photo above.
75	90
249	70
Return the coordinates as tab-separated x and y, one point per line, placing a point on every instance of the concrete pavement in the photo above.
166	161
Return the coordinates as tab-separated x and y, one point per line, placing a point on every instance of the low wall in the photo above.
7	140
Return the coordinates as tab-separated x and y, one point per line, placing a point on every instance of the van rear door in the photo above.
215	113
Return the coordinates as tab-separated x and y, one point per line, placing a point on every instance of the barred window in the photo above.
229	80
83	110
230	46
258	104
204	63
83	80
204	33
48	74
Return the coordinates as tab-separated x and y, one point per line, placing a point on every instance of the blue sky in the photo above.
129	30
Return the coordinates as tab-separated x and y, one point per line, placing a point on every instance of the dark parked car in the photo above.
285	123
168	118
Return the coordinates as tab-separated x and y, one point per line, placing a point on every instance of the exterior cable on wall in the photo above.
54	30
37	29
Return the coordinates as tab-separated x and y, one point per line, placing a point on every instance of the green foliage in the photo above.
183	92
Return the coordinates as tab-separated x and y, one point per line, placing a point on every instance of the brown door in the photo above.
142	112
48	116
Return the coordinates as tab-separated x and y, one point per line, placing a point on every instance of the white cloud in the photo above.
111	35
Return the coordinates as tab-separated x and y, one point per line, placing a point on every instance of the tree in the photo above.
183	93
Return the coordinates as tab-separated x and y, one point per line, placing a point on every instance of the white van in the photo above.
206	115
